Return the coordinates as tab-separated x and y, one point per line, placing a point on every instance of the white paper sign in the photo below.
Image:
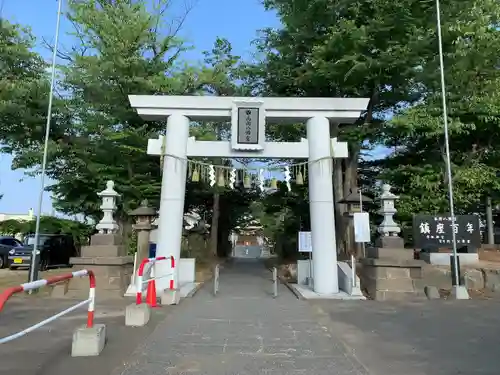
305	242
361	227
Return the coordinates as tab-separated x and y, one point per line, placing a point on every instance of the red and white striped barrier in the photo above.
140	280
6	294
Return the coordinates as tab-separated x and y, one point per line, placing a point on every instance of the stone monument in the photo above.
106	255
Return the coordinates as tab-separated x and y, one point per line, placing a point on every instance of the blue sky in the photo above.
236	20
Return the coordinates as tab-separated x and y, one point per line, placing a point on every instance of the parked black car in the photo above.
6	245
55	250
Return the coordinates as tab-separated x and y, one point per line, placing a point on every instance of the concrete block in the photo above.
137	315
432	292
170	297
88	342
459	292
303	271
186	268
345	279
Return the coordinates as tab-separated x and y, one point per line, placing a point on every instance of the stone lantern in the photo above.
354	201
144	216
106	255
108	225
388	227
389	230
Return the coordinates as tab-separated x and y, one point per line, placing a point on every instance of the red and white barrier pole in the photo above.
140	274
6	294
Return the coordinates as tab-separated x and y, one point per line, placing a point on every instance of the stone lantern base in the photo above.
389	271
390	242
106	257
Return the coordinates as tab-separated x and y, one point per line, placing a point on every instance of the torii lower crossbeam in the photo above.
273	150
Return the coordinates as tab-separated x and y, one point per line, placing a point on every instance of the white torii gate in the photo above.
248	118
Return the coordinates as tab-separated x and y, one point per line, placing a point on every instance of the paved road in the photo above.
46	351
419	338
245	331
242	331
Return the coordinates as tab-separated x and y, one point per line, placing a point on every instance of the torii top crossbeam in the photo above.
277	110
263	111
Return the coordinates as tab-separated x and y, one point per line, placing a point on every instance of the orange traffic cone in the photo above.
151	294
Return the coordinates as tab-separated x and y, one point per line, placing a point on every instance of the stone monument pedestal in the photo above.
389	271
107	258
392	279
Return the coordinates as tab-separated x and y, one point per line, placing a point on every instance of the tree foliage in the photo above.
382	50
387	52
23	86
416	166
49	225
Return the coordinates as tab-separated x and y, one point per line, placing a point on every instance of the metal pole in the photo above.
132	281
360	201
216	279
489	221
353	271
34	261
362	244
275	282
447	143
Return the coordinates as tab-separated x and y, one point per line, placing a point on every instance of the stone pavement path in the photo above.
241	331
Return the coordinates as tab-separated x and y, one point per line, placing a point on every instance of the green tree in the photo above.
345	49
23	89
417	165
23	86
50	225
387	52
123	48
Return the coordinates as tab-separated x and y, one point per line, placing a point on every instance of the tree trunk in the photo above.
350	183
214	229
338	194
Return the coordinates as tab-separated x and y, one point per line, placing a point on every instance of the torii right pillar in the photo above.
321	206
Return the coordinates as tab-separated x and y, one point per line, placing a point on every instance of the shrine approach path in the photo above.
243	330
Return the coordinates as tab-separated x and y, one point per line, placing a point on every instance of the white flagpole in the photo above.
34	259
447	148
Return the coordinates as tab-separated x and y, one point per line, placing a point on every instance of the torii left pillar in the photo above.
173	191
